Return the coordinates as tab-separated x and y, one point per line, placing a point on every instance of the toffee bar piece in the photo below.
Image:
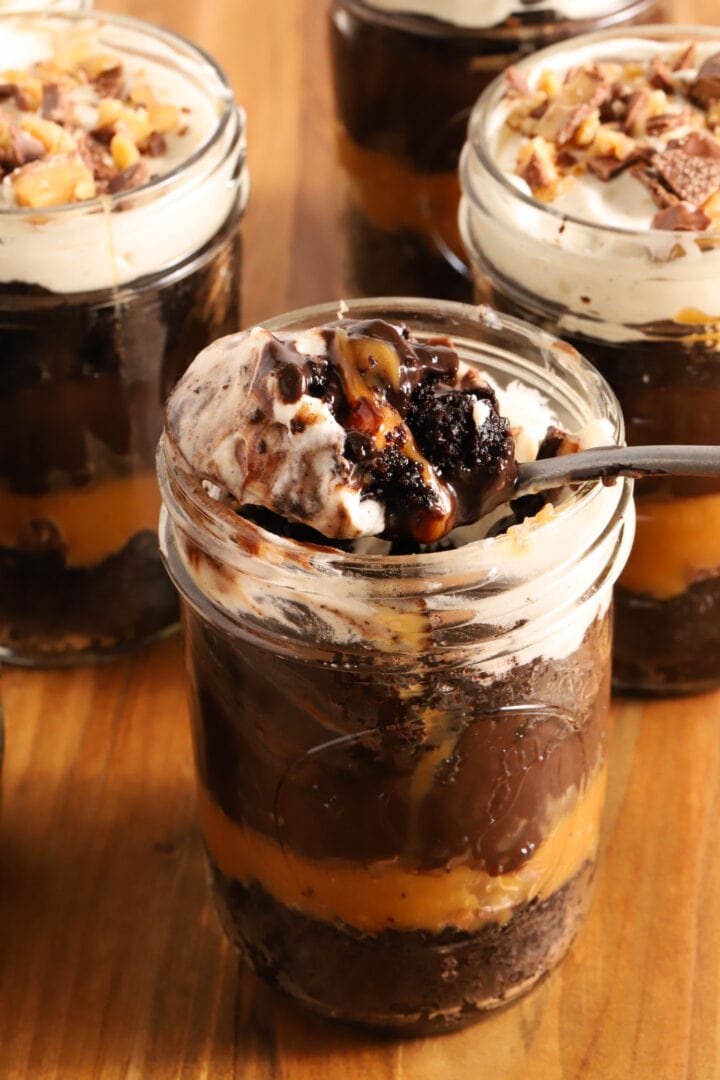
604	172
406	73
400	745
122	183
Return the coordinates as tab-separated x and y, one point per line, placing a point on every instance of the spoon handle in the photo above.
608	462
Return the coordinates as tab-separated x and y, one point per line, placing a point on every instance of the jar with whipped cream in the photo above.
124	182
591	189
401	757
406	74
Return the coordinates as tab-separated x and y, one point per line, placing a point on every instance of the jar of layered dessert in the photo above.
399	683
591	206
406	73
123	157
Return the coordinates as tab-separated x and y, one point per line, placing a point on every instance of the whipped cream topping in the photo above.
353	429
486	13
599	240
107	241
548	578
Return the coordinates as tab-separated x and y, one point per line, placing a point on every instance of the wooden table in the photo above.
111	961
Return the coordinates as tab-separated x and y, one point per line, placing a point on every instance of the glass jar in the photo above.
401	760
102	306
406	73
643	306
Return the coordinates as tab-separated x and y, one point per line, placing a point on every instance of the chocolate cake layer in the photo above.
326	760
412	981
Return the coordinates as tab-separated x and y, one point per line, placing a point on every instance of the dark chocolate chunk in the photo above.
662	197
681	217
111	83
691	167
706	88
664	122
518	86
579	98
606	166
686	60
51	102
661	76
156	144
635	105
25	147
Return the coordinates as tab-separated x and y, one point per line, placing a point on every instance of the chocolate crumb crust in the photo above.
415	982
268	748
47	607
668	646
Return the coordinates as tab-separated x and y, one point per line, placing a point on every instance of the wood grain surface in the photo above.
111	960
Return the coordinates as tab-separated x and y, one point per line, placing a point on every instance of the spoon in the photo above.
609	462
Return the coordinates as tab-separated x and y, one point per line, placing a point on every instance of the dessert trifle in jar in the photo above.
123	180
399	682
406	73
592	206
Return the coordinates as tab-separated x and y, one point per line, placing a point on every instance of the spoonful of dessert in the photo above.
358	429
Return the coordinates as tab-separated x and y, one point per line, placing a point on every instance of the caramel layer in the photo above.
394	197
677	542
381	896
93	523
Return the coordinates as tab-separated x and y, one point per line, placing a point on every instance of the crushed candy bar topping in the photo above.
654	122
79	125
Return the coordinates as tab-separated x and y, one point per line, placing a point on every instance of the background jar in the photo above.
643	307
401	761
102	306
404	85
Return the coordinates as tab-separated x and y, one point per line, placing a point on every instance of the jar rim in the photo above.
489	99
431	26
229	110
563	358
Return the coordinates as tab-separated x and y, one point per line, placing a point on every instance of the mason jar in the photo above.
103	303
643	306
406	73
401	759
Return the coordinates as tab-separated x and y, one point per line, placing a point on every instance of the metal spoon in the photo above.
609	462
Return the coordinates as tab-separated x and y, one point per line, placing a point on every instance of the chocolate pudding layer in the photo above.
404	86
82	386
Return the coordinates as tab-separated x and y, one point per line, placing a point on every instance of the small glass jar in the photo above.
102	306
401	760
406	74
643	306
